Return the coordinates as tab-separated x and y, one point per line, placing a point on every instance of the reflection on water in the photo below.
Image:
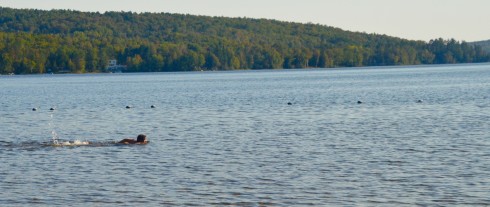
230	138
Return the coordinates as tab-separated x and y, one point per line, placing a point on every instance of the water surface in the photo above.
230	138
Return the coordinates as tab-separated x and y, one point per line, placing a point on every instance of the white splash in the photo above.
56	139
54	135
71	143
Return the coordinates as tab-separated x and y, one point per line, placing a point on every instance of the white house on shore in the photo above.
113	67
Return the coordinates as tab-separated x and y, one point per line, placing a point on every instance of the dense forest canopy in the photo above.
485	45
37	41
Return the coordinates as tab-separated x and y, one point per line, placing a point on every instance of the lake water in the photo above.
230	138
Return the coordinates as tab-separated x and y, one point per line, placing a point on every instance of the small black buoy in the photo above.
419	101
289	103
359	102
34	109
153	106
51	109
128	107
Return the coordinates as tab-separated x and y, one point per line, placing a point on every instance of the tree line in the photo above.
485	45
37	41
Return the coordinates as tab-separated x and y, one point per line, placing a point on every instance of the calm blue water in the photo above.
230	138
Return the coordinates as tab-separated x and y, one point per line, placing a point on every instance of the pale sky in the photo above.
412	19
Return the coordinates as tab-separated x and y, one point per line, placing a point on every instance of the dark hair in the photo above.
141	138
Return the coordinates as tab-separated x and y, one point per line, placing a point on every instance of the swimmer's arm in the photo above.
127	141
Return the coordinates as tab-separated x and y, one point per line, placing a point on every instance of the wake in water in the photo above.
70	143
37	145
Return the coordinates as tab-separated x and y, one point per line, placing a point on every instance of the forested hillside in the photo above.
484	44
36	41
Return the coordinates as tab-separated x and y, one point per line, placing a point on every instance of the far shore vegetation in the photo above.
38	41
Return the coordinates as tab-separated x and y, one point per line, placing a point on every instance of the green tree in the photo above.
35	41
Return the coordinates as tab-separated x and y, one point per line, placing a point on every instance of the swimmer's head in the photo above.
141	138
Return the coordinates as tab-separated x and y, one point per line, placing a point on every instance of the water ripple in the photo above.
231	139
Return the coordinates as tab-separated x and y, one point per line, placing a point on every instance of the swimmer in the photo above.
141	139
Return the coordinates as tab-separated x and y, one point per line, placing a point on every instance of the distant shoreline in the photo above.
288	69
